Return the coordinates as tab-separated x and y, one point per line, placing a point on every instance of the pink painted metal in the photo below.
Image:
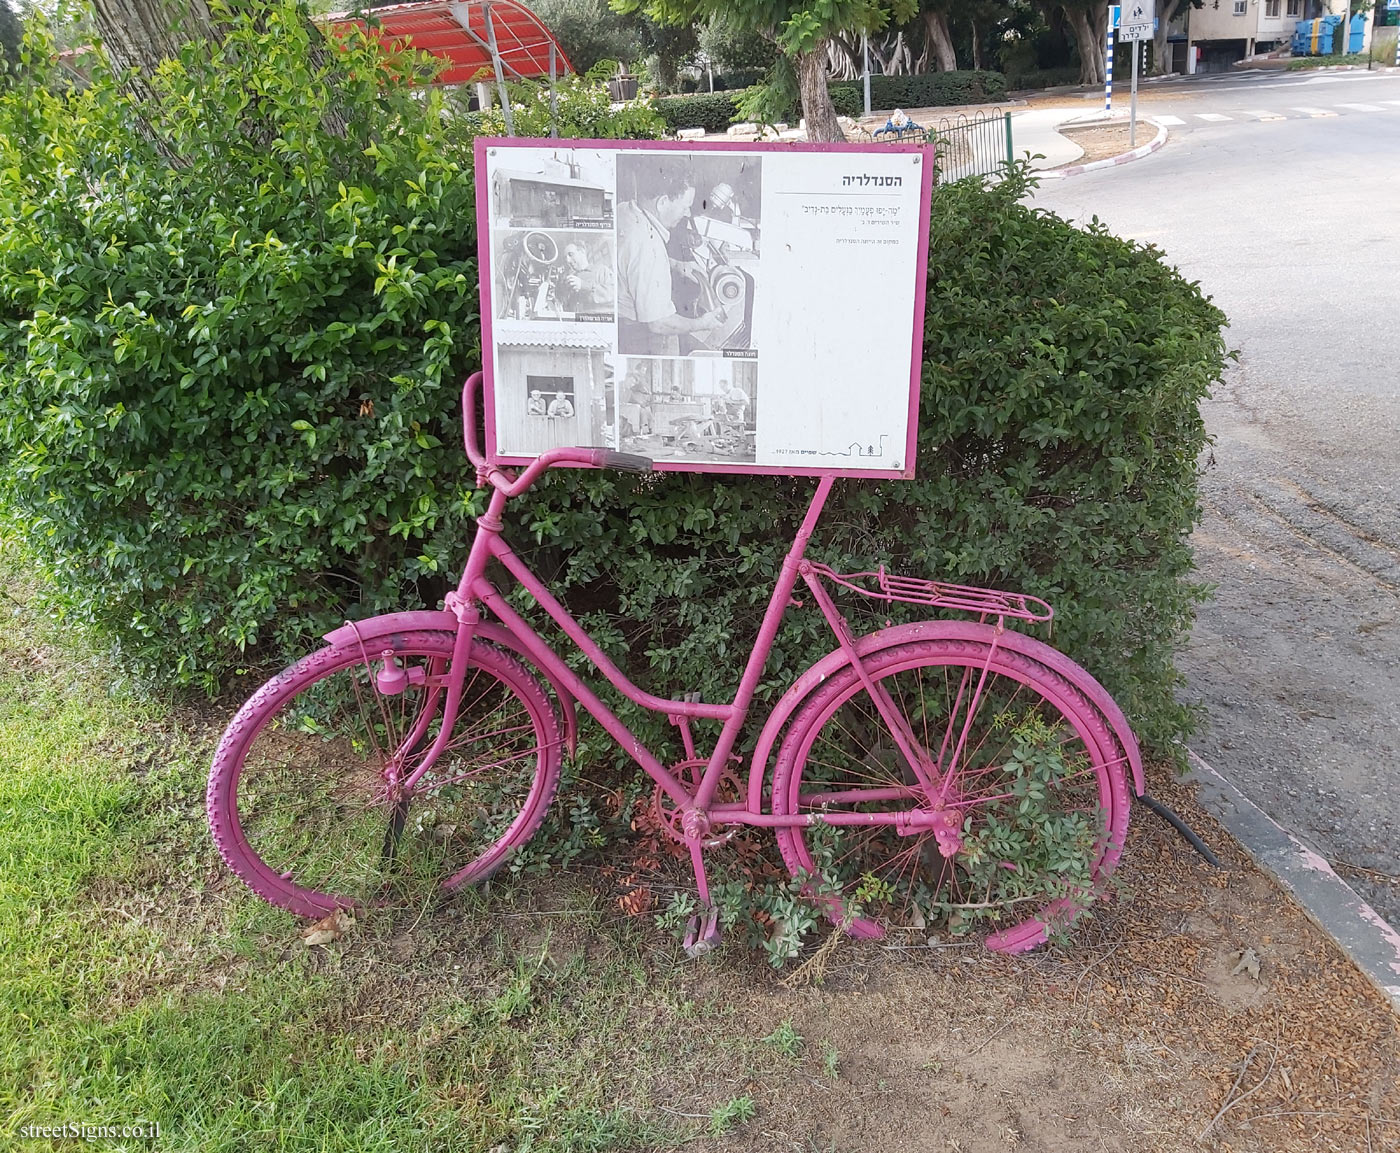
852	651
687	792
485	257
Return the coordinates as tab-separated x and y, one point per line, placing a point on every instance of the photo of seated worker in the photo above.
648	322
560	406
535	406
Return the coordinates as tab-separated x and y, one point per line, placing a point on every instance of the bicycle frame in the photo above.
475	590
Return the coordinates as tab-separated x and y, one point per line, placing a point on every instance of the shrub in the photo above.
848	101
712	111
1059	434
229	416
583	109
1041	78
929	90
739	78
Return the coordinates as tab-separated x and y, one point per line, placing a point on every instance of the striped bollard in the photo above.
1108	72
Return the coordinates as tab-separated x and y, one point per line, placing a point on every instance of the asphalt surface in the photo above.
1281	195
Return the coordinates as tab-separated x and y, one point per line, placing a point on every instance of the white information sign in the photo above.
1137	20
724	308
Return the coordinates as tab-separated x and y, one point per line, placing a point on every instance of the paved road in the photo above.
1293	225
1189	104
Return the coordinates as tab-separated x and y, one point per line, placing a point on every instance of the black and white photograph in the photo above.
697	410
687	252
549	276
553	396
553	188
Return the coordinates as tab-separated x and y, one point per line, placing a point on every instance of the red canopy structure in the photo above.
502	37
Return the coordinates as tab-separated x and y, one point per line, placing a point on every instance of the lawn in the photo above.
140	984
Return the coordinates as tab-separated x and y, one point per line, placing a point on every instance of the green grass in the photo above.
1305	62
140	983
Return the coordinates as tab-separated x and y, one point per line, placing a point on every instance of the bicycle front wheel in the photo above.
1012	822
307	801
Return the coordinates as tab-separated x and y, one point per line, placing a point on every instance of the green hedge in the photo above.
1037	78
228	413
932	89
1058	440
848	102
712	111
228	380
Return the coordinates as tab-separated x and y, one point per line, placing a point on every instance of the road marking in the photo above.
1362	107
1259	114
1314	112
1216	115
1173	121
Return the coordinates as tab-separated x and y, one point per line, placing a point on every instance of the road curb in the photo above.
1359	931
1112	161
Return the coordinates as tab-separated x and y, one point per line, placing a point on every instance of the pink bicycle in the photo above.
427	746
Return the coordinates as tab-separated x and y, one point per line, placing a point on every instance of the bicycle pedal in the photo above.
702	934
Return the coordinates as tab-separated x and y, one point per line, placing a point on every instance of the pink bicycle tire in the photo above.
230	811
1027	681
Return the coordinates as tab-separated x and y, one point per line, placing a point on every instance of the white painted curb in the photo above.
1329	902
1112	161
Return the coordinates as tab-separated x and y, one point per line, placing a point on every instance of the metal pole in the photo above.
1108	71
1132	115
1010	154
553	93
500	74
866	72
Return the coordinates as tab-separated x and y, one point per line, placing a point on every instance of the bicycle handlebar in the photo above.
577	457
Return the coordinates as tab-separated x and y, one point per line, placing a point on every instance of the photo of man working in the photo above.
586	286
648	322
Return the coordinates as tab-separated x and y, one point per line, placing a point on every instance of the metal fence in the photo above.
975	145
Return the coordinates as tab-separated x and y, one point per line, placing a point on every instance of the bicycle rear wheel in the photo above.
1028	784
305	798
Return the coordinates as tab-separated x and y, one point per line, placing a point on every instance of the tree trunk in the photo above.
941	40
1161	58
1089	43
976	47
139	34
817	108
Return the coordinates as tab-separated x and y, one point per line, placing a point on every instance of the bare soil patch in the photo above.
1144	1032
1101	142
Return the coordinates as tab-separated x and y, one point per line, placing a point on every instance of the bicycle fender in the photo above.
440	620
837	659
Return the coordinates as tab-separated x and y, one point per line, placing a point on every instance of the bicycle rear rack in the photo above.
960	598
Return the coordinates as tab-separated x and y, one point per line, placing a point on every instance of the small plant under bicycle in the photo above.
943	767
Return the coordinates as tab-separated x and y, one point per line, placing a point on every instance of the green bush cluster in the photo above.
712	111
932	89
1058	440
1041	78
848	101
231	343
232	340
